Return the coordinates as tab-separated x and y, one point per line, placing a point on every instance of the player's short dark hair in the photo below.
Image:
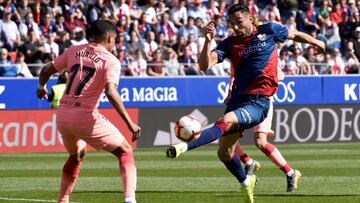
101	28
238	7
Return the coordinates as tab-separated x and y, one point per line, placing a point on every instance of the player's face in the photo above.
241	23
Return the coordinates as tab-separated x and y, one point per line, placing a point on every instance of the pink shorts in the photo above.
79	127
265	126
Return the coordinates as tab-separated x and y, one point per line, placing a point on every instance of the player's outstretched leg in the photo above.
69	175
207	136
127	170
292	176
251	165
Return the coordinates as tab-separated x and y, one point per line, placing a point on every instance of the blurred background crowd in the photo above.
163	38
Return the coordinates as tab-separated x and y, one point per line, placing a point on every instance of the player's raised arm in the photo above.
208	58
305	38
44	76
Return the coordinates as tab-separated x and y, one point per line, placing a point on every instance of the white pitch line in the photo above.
28	200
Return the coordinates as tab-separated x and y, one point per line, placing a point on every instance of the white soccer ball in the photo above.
188	128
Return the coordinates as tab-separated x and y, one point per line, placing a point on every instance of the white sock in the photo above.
246	182
130	199
250	162
290	173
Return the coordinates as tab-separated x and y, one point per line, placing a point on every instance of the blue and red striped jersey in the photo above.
254	59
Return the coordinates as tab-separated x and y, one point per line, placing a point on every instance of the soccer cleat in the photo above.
251	169
292	181
249	190
176	150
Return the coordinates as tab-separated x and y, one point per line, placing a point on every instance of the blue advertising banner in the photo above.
192	91
341	90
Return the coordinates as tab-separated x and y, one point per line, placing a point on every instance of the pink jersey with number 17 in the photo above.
90	67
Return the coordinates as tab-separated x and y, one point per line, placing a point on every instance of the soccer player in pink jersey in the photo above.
92	68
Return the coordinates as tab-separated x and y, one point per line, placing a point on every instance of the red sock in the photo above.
128	173
69	176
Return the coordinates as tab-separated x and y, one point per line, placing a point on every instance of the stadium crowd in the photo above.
163	38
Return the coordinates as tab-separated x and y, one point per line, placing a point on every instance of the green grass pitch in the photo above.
331	173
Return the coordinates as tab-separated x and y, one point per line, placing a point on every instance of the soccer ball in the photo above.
188	128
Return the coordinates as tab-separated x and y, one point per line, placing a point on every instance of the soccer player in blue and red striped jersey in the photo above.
253	54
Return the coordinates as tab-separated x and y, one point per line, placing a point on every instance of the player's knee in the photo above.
261	144
224	155
78	157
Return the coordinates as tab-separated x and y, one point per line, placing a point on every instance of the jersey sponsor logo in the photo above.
253	48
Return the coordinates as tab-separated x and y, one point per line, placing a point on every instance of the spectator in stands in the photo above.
63	40
190	66
22	68
51	46
197	11
141	26
59	23
138	66
220	28
166	27
324	11
29	25
189	28
310	17
96	10
193	46
124	59
135	10
72	21
150	12
310	56
253	8
336	13
161	8
351	61
356	42
286	65
223	9
211	11
162	44
48	25
7	68
121	9
345	26
150	46
352	7
338	66
32	50
178	13
270	10
156	67
172	65
10	32
355	20
180	45
301	63
329	33
134	43
23	9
